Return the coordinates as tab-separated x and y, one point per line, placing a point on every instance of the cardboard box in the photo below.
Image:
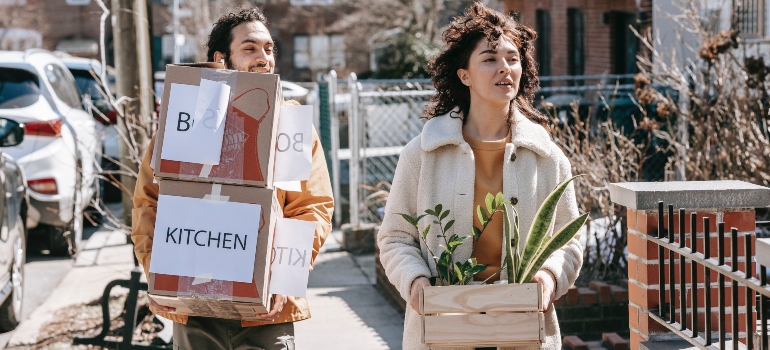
219	298
248	148
497	315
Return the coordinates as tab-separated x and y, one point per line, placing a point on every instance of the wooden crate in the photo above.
482	315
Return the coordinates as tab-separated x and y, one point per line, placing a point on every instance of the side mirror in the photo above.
11	133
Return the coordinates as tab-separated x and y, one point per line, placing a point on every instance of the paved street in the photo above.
42	274
347	310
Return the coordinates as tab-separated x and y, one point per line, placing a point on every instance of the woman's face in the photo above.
493	74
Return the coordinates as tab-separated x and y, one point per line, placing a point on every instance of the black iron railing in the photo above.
666	314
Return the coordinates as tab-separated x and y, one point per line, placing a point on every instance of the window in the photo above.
543	42
63	85
311	2
624	42
750	17
88	84
319	52
18	88
575	42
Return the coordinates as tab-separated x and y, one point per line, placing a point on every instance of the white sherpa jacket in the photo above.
437	167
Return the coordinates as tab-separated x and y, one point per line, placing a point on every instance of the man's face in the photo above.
251	49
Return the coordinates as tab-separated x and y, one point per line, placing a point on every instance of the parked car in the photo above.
13	234
292	91
60	148
87	76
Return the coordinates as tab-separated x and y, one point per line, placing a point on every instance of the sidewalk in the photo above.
348	312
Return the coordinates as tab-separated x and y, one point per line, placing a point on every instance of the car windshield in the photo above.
88	84
18	88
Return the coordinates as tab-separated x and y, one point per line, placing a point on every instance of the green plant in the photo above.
520	265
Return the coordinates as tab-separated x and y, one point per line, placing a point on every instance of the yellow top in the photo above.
489	156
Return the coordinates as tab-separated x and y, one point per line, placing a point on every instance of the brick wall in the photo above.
598	46
587	312
727	202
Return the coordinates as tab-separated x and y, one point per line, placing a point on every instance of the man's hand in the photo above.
414	293
278	302
160	307
548	282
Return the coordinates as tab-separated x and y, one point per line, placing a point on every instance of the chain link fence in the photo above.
365	124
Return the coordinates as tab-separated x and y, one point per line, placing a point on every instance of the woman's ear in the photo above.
465	78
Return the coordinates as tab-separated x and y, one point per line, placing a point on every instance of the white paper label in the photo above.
196	237
292	250
195	122
294	148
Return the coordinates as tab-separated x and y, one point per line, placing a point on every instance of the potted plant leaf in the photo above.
457	313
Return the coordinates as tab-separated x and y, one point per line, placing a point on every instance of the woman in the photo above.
483	136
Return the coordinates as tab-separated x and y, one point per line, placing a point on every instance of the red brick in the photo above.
633	316
631	216
647	223
614	341
638	295
574	343
648	325
636	339
699	222
641	247
605	293
742	220
587	296
572	296
619	294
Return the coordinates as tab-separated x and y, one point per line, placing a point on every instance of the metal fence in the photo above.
672	312
366	123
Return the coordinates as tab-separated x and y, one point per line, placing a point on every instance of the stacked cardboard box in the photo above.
243	174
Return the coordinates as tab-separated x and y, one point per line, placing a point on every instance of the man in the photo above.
241	40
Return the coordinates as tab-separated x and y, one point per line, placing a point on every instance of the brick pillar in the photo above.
730	202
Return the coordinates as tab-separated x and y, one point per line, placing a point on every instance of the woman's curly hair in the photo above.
479	22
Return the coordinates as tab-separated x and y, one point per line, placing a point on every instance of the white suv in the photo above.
60	146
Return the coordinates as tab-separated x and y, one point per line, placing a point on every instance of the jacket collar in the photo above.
445	130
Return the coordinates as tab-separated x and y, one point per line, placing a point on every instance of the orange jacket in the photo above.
314	203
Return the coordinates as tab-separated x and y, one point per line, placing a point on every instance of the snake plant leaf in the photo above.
515	241
449	225
541	225
489	201
509	267
556	242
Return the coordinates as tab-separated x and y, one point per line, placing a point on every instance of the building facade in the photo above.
580	37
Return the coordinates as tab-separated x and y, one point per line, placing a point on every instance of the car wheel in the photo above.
10	311
65	241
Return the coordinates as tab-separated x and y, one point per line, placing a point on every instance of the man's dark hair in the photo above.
222	34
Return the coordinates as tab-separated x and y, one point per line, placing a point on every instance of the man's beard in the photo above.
251	68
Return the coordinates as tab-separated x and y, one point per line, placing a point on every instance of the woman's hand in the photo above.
548	282
417	284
